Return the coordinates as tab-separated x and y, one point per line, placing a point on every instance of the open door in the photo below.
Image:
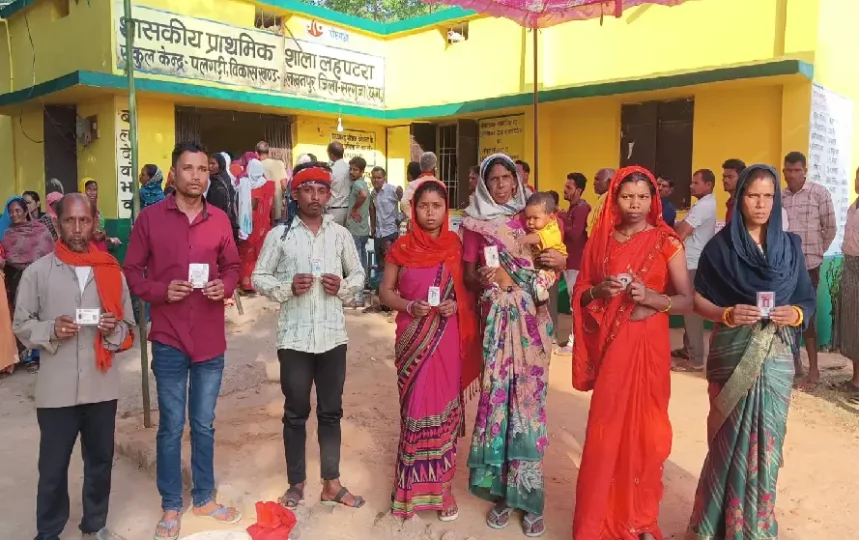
468	135
423	139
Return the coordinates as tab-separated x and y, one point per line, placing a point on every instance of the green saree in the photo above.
750	371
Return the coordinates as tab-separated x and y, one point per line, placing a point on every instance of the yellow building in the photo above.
675	89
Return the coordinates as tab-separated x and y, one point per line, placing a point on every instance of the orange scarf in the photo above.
108	280
417	249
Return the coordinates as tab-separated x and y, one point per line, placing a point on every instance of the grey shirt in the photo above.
68	374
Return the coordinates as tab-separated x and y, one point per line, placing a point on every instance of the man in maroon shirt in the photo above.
182	260
575	228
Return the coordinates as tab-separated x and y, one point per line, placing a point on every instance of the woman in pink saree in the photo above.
437	354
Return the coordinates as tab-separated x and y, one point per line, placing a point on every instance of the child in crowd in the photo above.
544	233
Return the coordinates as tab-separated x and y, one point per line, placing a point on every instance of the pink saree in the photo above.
429	369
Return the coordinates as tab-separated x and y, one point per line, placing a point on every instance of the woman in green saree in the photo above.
750	365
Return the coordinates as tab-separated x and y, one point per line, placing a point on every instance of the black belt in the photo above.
337	207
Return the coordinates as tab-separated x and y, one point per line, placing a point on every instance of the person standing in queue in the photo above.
74	305
310	266
182	259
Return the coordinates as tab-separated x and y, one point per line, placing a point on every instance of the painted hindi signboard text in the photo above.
502	134
187	47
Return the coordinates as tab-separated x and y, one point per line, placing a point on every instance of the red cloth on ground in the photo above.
274	522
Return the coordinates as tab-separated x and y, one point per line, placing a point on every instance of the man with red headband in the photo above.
310	265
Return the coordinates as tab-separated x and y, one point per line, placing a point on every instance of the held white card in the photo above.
198	275
490	255
434	296
766	302
316	268
625	280
87	317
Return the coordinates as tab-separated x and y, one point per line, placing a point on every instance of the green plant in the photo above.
833	280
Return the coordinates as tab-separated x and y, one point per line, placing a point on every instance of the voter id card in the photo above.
766	302
624	279
316	267
490	255
87	317
198	275
434	296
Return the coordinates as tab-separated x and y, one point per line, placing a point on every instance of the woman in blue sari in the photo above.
750	365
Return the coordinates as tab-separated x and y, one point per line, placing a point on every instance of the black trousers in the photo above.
59	428
298	372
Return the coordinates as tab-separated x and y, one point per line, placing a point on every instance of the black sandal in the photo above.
357	501
292	498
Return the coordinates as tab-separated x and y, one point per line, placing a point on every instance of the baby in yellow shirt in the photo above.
541	221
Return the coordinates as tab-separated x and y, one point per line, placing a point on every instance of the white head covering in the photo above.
483	206
303	158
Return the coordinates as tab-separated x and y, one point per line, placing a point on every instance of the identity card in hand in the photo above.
766	302
490	255
87	317
198	275
434	296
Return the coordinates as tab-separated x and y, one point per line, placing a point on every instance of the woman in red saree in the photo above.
633	275
261	201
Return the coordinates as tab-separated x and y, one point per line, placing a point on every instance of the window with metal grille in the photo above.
447	160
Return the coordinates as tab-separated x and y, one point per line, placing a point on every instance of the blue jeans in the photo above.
172	369
361	245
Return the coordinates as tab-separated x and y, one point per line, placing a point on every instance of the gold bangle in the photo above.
670	304
591	294
728	317
800	314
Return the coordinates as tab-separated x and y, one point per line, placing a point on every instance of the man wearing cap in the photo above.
310	265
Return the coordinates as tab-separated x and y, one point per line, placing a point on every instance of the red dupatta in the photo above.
417	249
592	339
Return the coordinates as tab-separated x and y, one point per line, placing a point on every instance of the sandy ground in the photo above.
816	489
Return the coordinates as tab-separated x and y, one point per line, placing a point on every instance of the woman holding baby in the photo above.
633	276
437	353
510	435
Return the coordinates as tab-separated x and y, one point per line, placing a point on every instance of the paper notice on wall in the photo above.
830	152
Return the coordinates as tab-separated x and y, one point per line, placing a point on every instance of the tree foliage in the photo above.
380	10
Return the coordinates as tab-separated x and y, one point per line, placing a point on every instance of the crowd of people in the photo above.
474	321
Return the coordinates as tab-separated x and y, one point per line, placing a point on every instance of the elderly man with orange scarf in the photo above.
67	299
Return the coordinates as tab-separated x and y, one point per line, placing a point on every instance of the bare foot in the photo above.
169	525
811	381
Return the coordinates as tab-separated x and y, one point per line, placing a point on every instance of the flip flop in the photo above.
498	519
292	498
358	501
686	367
449	517
845	386
220	511
529	522
169	525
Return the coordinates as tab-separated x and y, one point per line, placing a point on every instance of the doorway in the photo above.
61	148
235	132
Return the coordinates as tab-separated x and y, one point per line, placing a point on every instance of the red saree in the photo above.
627	364
249	250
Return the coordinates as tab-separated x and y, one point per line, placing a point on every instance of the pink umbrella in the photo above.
536	14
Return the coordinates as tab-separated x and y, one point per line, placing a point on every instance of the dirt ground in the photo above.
816	488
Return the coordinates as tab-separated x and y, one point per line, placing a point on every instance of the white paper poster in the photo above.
829	156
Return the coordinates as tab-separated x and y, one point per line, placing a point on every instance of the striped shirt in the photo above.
313	322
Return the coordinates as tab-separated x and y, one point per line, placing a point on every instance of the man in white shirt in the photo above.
310	265
341	184
696	230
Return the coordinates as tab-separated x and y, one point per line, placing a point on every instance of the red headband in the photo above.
316	175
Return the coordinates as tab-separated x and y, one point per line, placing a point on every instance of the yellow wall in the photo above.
312	135
79	41
98	159
399	154
583	135
497	57
7	154
28	129
157	132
